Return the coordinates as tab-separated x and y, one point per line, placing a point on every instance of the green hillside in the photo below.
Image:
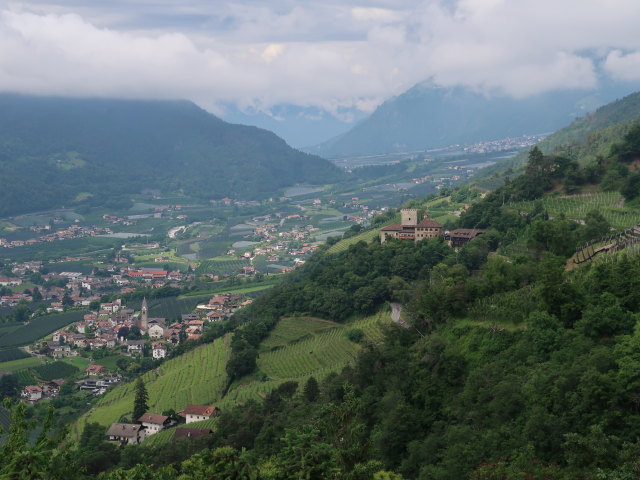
197	377
58	146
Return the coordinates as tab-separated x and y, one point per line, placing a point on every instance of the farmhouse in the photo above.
410	228
153	423
32	393
460	236
196	413
126	433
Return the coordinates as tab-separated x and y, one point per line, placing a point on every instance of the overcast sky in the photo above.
326	53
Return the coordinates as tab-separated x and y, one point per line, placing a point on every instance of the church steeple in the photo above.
144	315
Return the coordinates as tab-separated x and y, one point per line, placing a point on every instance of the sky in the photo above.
329	56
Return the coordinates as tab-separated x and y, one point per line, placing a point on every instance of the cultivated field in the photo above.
39	328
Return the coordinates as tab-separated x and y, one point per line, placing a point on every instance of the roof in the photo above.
203	410
33	388
392	228
466	232
428	223
153	418
94	368
190	433
123	430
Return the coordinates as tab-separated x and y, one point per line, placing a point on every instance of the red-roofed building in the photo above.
33	393
95	370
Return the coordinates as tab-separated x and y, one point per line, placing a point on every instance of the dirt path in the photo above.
396	310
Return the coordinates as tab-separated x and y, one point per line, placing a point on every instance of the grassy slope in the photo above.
196	377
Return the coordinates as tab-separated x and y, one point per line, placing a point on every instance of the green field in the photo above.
609	204
221	266
78	362
197	377
39	328
22	364
51	371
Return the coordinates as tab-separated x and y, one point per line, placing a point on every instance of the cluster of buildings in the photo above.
73	231
414	229
152	423
113	325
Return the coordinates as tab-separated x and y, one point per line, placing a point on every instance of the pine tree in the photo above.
140	406
311	390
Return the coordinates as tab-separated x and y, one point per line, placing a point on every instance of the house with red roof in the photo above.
197	413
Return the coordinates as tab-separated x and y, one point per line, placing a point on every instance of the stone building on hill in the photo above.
411	228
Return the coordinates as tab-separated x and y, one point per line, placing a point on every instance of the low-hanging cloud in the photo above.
330	56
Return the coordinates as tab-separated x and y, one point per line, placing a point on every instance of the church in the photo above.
411	228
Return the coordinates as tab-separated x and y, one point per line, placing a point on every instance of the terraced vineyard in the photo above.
609	204
296	349
197	377
342	245
301	347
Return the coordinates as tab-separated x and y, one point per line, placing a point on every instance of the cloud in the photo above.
327	55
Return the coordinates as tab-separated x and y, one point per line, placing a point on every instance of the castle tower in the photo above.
144	315
409	217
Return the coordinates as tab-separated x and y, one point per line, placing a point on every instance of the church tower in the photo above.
144	317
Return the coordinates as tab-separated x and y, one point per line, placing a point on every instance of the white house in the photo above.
196	413
159	350
153	423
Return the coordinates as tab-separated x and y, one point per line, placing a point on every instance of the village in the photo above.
115	330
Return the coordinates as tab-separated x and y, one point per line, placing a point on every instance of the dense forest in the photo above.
96	151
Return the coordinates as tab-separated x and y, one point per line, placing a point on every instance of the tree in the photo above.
8	386
140	406
311	390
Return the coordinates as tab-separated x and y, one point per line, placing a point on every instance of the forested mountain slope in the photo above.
585	139
61	147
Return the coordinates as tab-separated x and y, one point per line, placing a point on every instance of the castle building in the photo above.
411	228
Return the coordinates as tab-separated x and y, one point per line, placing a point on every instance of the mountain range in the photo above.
430	117
65	149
